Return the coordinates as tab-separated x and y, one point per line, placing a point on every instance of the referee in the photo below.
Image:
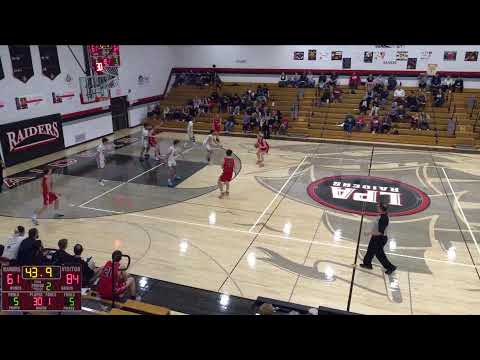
378	240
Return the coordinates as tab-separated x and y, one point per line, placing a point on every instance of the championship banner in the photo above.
21	62
62	97
25	140
26	102
49	60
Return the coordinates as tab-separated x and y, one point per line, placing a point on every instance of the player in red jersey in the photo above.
49	197
123	283
227	174
216	125
153	142
262	149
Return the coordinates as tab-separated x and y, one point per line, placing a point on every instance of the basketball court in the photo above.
288	231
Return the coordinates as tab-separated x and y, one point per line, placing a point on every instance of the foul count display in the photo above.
31	288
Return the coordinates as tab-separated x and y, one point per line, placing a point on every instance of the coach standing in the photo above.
378	240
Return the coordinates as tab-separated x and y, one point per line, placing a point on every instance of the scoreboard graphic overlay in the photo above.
41	288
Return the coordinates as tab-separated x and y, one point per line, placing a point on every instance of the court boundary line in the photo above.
461	211
278	194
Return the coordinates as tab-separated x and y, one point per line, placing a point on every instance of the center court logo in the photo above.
359	194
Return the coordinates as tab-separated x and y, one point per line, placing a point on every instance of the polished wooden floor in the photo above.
266	239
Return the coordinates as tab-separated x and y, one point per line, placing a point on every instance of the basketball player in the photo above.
209	143
172	164
227	174
216	125
145	143
100	157
262	149
124	284
49	197
190	134
153	142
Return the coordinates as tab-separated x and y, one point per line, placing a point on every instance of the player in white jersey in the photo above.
210	142
145	142
100	157
190	134
172	163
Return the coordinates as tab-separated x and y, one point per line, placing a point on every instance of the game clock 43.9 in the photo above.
30	288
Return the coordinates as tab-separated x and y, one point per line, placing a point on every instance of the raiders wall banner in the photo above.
49	60
25	140
2	74
21	62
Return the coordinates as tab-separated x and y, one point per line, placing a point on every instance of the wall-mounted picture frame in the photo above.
471	56
347	63
337	55
368	57
412	63
449	56
312	54
298	55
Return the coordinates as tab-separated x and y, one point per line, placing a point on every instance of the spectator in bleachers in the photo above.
422	80
424	122
413	121
447	84
439	98
89	271
337	94
12	245
375	107
311	80
378	83
28	250
348	123
229	124
436	82
360	122
61	257
290	80
296	79
39	257
333	78
384	97
363	106
399	94
369	85
391	83
327	95
452	124
284	126
374	124
394	113
124	284
322	79
412	102
283	80
354	82
245	122
421	101
386	124
458	85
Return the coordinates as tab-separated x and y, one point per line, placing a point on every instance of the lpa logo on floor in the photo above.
359	194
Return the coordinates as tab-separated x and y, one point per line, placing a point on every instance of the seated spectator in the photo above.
245	123
422	80
421	101
384	97
266	309
360	122
38	256
363	106
452	124
439	99
61	257
290	81
399	94
337	94
353	82
394	114
28	250
458	85
349	123
310	80
283	126
12	245
375	107
413	122
391	83
296	79
283	80
322	79
412	103
423	123
327	96
436	82
386	125
374	124
333	79
124	284
89	271
447	84
378	83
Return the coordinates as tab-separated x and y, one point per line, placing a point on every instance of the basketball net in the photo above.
112	76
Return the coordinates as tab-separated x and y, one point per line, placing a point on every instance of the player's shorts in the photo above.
216	129
172	163
208	147
49	198
101	163
225	177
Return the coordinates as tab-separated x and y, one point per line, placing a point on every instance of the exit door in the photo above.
119	107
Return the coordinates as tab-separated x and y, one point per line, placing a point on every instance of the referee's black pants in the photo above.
375	248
